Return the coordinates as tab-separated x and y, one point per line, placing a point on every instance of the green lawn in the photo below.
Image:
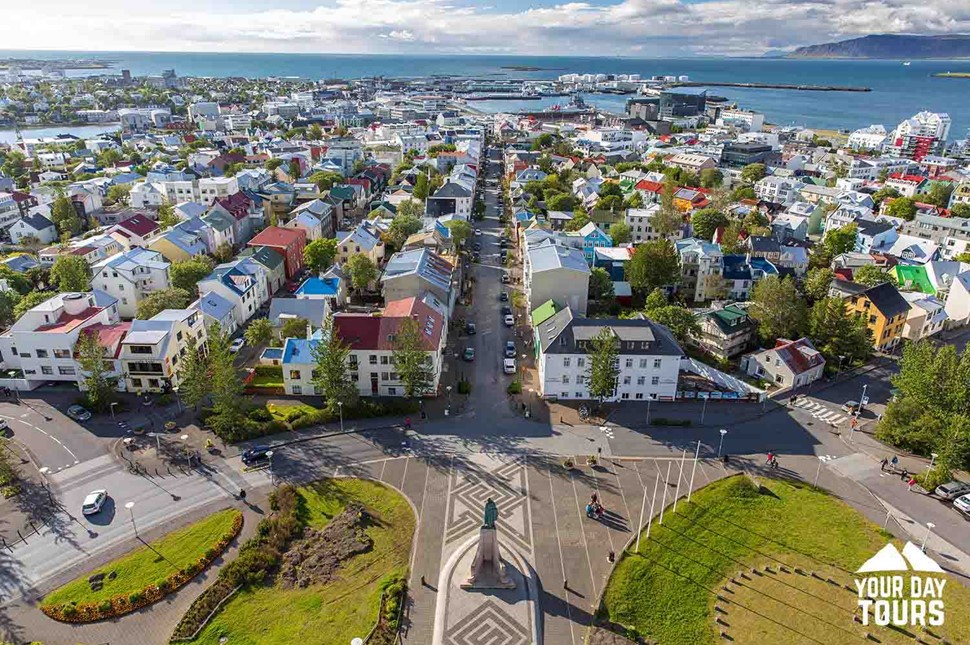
149	565
347	606
289	412
729	526
268	377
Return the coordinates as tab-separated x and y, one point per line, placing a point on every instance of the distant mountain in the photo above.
890	46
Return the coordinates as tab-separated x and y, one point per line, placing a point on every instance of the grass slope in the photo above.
664	591
149	564
345	608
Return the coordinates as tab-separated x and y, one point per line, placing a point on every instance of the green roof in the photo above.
913	278
544	312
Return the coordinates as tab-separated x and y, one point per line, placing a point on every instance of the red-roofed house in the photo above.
649	190
136	231
789	364
907	185
288	242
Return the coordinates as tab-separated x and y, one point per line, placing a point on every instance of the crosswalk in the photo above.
821	412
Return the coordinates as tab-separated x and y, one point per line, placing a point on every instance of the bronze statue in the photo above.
491	514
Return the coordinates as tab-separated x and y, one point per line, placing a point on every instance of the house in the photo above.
738	277
907	185
136	231
217	310
41	342
411	273
788	226
309	222
332	288
372	341
272	262
21	263
287	242
36	226
725	332
692	162
641	229
366	239
874	235
313	311
912	250
776	189
130	277
649	357
592	237
558	273
154	350
183	241
883	308
926	317
222	227
701	269
452	198
789	364
241	288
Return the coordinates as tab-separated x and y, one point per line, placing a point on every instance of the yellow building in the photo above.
882	307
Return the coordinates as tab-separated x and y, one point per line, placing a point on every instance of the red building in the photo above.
288	242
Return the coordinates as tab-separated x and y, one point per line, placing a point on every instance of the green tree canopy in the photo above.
679	319
561	202
293	328
71	273
411	359
707	220
318	255
193	373
422	187
939	194
902	207
226	387
840	240
620	233
603	369
331	376
835	331
817	283
362	271
402	227
711	177
887	192
259	332
65	217
161	300
460	231
28	302
960	210
600	284
325	180
871	275
186	274
98	385
753	172
778	308
578	221
655	264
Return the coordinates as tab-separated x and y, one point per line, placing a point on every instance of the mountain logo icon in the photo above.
890	559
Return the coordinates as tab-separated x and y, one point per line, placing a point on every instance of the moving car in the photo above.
469	354
255	455
850	406
94	501
237	345
963	504
509	320
509	349
78	413
478	231
508	366
952	490
470	329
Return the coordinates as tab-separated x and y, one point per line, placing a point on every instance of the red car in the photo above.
292	286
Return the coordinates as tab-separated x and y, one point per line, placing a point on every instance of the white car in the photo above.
963	504
509	320
237	345
508	366
94	501
478	231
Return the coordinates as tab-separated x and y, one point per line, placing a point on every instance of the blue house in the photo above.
592	238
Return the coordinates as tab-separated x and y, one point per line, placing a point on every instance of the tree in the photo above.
294	328
460	231
600	284
840	240
411	360
325	180
711	177
319	254
225	385
119	194
314	132
633	200
259	332
620	233
161	300
402	227
667	220
186	274
330	376
273	164
743	192
422	187
28	302
731	237
753	172
707	220
8	302
611	203
960	210
777	308
817	283
409	208
901	207
871	275
887	192
71	273
64	216
578	221
837	332
193	373
604	365
560	202
362	271
98	386
655	264
544	140
166	216
939	194
14	164
679	319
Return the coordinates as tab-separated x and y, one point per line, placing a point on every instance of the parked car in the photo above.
78	413
469	354
952	490
476	256
963	504
510	349
470	329
850	406
509	320
506	310
502	244
478	231
477	246
506	278
94	502
255	455
504	296
237	345
508	366
4	428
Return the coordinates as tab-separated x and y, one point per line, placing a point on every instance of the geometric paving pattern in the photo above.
506	485
488	624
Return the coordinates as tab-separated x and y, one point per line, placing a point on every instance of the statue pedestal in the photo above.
487	570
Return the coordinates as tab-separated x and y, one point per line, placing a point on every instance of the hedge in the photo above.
121	605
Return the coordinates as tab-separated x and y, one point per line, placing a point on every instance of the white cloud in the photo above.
641	27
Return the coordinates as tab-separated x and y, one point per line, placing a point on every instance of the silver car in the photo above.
94	501
952	490
963	504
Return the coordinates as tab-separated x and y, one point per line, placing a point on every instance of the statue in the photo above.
491	514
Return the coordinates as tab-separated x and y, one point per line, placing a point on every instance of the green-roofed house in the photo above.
272	260
541	314
725	332
913	278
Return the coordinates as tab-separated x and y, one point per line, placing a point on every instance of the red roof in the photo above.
915	179
110	336
278	237
376	332
139	224
649	186
67	322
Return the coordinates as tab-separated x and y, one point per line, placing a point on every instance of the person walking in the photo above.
911	483
883	464
771	457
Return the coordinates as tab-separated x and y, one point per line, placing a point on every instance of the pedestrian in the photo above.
611	557
911	483
242	494
883	464
594	498
774	462
894	461
904	475
771	456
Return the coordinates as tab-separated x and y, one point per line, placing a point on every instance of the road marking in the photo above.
562	560
820	411
44	432
582	528
383	466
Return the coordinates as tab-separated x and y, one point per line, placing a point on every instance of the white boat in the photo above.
906	64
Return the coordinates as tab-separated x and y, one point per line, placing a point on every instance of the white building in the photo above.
130	277
154	350
871	137
556	273
926	317
789	364
649	357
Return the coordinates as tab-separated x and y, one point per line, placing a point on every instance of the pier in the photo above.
776	86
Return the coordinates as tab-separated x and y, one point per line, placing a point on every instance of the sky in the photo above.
638	28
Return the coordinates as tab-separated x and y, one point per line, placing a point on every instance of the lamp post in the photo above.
43	475
862	399
131	513
158	442
649	401
721	444
929	529
185	447
933	456
448	407
178	399
704	409
113	404
340	409
817	471
269	455
839	370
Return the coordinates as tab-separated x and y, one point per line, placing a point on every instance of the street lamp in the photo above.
933	456
113	404
269	455
43	475
131	513
158	442
863	400
929	528
817	471
185	446
721	445
340	408
839	370
448	407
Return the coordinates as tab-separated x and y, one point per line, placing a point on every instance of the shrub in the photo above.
259	414
105	606
934	477
464	387
515	387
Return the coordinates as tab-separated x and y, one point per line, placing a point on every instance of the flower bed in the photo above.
119	605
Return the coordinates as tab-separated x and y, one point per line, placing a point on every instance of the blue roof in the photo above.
298	350
736	267
272	353
763	265
319	287
215	306
21	262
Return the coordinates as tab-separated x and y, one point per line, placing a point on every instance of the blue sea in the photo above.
898	91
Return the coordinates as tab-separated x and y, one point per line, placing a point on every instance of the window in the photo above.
297	389
641	380
295	374
392	391
566	361
625	395
643	363
138	349
565	378
383	376
629	362
62	353
383	360
355	377
564	395
626	380
638	395
136	382
580	379
654	380
66	370
372	359
41	353
656	363
581	362
44	369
